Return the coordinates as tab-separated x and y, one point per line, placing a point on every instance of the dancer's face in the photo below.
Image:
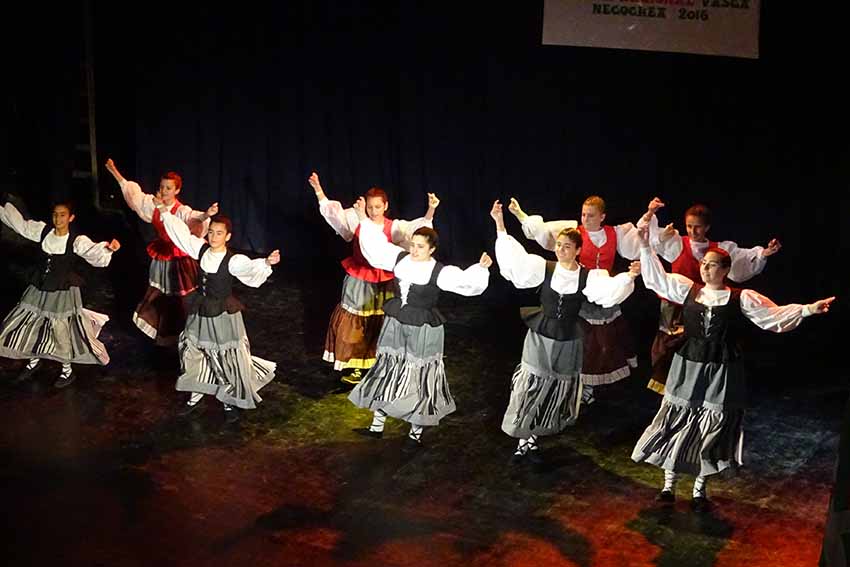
591	218
62	218
710	269
218	236
566	250
420	249
168	191
696	228
375	208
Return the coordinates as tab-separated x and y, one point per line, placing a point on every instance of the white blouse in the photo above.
345	221
250	272
526	270
757	308
382	254
546	233
142	204
95	253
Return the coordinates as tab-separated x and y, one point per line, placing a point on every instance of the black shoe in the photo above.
365	432
534	457
64	381
665	497
411	445
26	373
700	504
230	415
188	410
517	459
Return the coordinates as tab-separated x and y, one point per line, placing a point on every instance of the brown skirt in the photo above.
608	353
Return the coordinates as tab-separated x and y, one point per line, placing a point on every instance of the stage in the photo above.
104	472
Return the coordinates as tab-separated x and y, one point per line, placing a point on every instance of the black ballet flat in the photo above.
700	504
665	497
366	432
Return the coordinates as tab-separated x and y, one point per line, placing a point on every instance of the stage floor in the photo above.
104	473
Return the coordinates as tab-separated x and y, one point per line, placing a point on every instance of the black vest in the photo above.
55	272
714	338
421	307
214	294
557	316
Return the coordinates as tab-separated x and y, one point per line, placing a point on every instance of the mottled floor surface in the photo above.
103	473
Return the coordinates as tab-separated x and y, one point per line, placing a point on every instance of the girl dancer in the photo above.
50	322
161	314
356	320
408	380
699	428
546	387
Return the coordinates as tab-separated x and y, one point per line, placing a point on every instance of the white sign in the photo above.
710	27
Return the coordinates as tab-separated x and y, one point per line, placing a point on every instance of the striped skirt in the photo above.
215	359
408	380
352	337
545	389
53	325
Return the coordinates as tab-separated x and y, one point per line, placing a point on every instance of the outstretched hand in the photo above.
433	201
110	167
157	200
516	210
634	269
772	248
667	232
654	205
643	234
497	215
313	180
486	261
273	258
213	210
114	245
822	305
359	207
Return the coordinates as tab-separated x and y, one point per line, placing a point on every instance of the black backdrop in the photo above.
458	98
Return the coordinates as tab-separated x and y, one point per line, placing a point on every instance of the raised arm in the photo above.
29	229
179	233
765	314
468	282
343	221
98	254
253	273
749	262
522	269
373	244
402	230
141	203
673	287
535	228
666	241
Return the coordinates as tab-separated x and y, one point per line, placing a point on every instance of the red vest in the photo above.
686	264
358	267
162	248
592	257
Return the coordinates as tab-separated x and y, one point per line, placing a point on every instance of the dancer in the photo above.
215	353
408	380
50	322
608	352
355	323
161	314
684	254
699	428
546	386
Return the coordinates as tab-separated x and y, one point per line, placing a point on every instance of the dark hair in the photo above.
173	176
221	219
595	201
573	234
725	257
700	211
430	235
67	203
377	192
